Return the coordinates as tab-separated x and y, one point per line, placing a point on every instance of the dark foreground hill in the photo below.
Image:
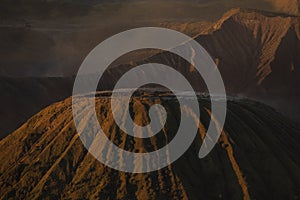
23	97
257	157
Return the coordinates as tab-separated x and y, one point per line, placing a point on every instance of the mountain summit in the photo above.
257	156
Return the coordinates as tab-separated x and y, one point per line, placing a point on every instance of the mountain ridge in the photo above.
260	52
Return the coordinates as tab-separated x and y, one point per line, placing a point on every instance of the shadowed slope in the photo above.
24	97
256	156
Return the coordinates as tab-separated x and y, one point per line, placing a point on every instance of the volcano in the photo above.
257	155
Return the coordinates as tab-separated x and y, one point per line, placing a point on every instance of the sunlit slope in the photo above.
257	156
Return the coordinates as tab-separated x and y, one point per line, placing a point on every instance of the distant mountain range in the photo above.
51	38
256	52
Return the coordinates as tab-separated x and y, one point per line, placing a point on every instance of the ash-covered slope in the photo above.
256	46
257	157
256	52
258	56
286	6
